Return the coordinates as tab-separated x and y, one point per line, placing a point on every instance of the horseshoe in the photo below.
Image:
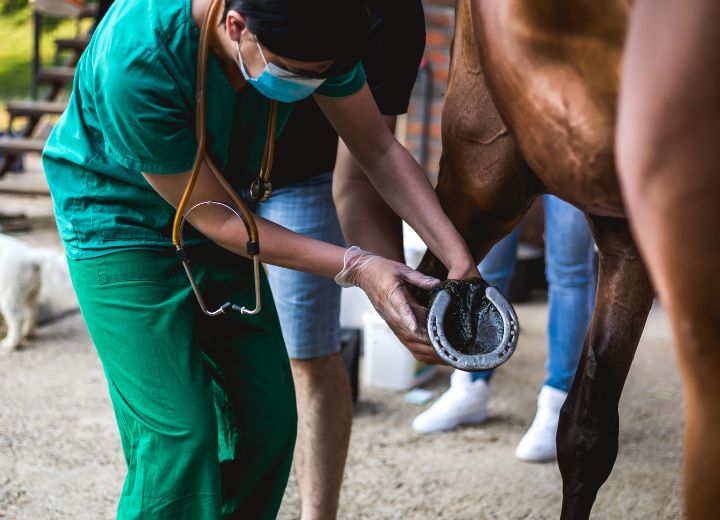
492	313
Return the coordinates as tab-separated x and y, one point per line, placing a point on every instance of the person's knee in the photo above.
569	274
571	262
201	438
186	430
572	265
179	461
189	444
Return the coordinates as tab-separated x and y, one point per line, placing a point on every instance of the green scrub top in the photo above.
132	110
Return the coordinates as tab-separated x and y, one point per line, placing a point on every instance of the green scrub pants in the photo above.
205	406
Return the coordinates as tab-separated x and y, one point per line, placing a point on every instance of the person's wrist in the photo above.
351	274
463	270
344	278
459	262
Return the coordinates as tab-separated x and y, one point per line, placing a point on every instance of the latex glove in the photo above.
385	282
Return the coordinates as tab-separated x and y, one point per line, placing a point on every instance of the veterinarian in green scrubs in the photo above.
205	406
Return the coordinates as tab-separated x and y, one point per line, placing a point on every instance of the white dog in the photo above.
32	281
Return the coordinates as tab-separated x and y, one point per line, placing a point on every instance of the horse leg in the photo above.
669	159
587	438
484	185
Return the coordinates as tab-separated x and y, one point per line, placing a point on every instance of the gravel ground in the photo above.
60	454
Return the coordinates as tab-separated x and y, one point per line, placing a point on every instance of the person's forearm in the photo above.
278	246
365	218
408	191
397	177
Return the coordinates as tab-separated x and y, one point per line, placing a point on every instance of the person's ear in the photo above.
234	25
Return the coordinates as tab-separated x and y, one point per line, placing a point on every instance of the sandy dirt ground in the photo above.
60	454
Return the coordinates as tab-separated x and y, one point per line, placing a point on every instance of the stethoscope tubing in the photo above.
239	208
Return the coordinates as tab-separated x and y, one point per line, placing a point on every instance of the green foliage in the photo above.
12	6
16	49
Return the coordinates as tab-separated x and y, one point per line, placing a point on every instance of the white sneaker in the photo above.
538	443
465	402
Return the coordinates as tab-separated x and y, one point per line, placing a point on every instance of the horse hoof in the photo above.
471	325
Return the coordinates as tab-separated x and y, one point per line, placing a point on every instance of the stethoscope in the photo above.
258	191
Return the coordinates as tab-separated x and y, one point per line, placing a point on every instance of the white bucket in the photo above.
387	363
353	305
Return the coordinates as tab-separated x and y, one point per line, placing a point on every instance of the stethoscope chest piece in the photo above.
259	191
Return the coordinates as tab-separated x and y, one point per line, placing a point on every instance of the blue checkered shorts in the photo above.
308	305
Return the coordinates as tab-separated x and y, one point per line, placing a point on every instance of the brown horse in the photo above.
531	109
668	157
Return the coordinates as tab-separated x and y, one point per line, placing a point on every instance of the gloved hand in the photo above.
385	282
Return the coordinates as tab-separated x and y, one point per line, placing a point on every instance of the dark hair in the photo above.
308	30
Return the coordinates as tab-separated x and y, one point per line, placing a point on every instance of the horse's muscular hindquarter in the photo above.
552	67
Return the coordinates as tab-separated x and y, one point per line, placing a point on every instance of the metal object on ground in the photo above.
471	325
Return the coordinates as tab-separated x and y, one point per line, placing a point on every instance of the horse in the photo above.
530	109
668	161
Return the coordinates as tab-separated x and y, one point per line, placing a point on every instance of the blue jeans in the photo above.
308	306
571	276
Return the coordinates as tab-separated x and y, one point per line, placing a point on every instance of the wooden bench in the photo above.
72	44
89	11
59	75
35	108
13	146
56	79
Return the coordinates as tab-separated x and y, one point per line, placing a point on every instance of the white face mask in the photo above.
277	83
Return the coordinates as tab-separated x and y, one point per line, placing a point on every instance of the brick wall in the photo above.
439	21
